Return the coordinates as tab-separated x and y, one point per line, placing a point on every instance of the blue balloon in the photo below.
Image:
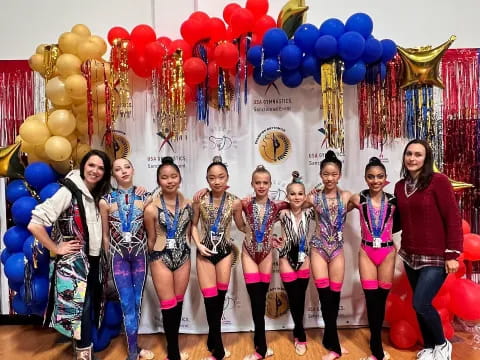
101	338
48	191
42	253
361	23
5	255
15	267
292	79
39	309
39	174
351	46
273	41
373	50
254	55
19	305
15	190
39	286
318	77
383	71
354	74
271	69
333	27
374	71
22	210
305	37
326	47
259	77
310	65
291	57
15	237
15	286
113	314
389	50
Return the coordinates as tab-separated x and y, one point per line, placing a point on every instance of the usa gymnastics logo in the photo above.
274	145
219	142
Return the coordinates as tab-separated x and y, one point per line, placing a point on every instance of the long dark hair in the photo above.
426	171
103	186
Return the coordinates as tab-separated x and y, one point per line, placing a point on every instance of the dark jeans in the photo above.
425	283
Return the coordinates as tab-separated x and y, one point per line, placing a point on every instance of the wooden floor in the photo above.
30	342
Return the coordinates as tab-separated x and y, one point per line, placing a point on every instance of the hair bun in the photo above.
296	178
167	160
217	159
374	161
330	155
260	167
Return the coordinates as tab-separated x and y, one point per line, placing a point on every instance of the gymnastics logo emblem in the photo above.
220	142
274	145
277	303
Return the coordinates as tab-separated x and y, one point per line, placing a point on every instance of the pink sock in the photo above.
222	286
336	286
369	284
265	278
210	292
179	298
251	278
322	283
303	274
385	285
288	276
168	304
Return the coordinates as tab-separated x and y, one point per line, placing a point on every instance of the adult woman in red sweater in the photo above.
431	240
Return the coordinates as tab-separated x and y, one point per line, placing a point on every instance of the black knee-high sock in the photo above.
329	304
214	341
257	293
170	320
296	307
374	322
302	285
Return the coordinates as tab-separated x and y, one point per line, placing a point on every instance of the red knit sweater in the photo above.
431	221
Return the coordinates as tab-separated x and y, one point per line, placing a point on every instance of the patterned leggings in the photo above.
129	274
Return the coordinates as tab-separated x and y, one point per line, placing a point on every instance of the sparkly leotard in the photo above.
175	256
328	236
291	249
260	250
208	215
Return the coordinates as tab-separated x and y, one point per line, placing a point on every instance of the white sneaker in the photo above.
444	351
425	354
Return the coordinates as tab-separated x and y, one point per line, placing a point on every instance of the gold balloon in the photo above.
58	148
76	87
73	138
457	185
10	163
100	112
80	152
62	122
40	48
102	45
62	167
89	49
98	70
33	157
292	15
68	64
39	150
82	127
98	93
79	108
421	65
82	30
57	93
26	147
34	132
68	42
36	63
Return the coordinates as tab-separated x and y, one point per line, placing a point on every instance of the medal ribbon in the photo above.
171	227
215	225
339	211
259	233
126	220
376	225
296	229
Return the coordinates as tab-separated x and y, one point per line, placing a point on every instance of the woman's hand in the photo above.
140	190
68	247
199	194
204	251
451	266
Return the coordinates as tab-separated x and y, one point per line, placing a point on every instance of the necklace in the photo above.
410	187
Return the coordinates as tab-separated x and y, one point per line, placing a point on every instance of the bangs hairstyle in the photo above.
330	157
217	160
167	161
296	179
260	169
103	186
426	172
374	161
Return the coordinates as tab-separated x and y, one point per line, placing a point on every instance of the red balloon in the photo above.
166	41
199	16
229	34
183	45
256	40
212	74
228	11
193	31
189	95
394	308
140	66
464	302
217	29
117	32
462	269
226	55
142	35
401	285
441	301
402	334
257	7
195	71
242	21
466	227
263	24
154	53
471	246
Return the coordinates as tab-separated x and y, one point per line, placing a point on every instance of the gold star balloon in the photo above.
457	185
421	65
10	163
292	15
